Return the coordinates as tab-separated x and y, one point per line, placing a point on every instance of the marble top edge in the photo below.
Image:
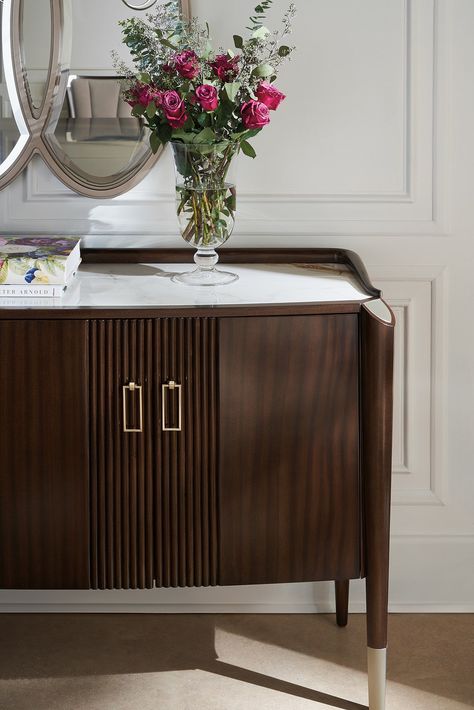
149	286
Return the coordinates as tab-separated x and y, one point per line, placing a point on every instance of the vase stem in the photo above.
206	259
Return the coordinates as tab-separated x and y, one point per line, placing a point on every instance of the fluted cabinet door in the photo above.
153	449
44	505
289	449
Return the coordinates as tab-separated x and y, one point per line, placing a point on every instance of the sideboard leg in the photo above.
377	667
376	444
342	601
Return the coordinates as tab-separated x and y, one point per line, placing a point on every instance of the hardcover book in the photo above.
33	262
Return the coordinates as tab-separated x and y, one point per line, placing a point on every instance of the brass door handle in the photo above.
132	387
171	385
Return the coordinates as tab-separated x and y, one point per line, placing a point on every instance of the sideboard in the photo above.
159	435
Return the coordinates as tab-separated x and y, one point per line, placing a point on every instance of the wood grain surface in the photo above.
153	494
288	449
44	529
376	409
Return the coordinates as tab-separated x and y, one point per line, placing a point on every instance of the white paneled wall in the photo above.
372	150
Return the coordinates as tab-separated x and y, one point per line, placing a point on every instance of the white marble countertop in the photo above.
150	285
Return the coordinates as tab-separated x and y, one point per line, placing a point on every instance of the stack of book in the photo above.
33	269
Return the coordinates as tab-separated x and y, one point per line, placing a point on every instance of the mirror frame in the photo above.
33	123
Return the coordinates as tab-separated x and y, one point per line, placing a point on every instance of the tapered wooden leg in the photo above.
376	444
342	601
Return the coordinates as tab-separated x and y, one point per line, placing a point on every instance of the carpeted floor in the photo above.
228	662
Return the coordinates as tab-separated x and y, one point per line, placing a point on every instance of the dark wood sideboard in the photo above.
201	444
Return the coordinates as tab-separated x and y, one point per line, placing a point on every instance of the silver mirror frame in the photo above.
36	126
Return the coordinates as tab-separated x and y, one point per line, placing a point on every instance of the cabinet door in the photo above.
44	531
288	449
153	491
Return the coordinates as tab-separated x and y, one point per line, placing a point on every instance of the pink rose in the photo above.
269	95
174	109
255	114
143	94
187	64
226	68
207	97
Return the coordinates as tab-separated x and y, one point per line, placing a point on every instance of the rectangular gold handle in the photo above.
132	387
164	389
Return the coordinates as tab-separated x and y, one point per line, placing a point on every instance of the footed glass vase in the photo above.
205	205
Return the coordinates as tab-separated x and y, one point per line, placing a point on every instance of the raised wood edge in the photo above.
238	256
85	313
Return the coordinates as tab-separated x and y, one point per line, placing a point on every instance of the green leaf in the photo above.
145	78
261	33
138	110
189	124
284	51
151	109
164	132
168	44
155	142
238	135
232	89
207	135
184	136
247	149
263	70
238	42
207	50
204	120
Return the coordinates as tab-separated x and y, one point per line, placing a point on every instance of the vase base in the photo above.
205	277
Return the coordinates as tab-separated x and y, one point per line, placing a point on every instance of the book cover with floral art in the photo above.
38	260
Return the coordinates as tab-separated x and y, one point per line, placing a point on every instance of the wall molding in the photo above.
420	472
417	208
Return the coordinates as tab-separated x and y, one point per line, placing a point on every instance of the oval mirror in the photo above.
36	46
11	140
60	97
94	138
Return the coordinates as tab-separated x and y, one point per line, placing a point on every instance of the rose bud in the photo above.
174	109
226	68
255	114
207	97
187	64
269	95
139	94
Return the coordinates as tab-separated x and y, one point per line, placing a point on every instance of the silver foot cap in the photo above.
377	668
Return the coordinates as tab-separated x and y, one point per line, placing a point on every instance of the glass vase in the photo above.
205	205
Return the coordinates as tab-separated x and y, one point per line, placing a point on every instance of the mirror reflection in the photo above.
35	18
60	97
95	136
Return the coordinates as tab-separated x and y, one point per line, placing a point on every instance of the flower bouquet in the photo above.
209	104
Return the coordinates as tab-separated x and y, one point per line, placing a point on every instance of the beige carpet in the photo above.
228	662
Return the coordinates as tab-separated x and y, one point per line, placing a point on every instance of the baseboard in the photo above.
429	575
28	608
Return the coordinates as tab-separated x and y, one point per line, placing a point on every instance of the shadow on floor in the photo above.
426	651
